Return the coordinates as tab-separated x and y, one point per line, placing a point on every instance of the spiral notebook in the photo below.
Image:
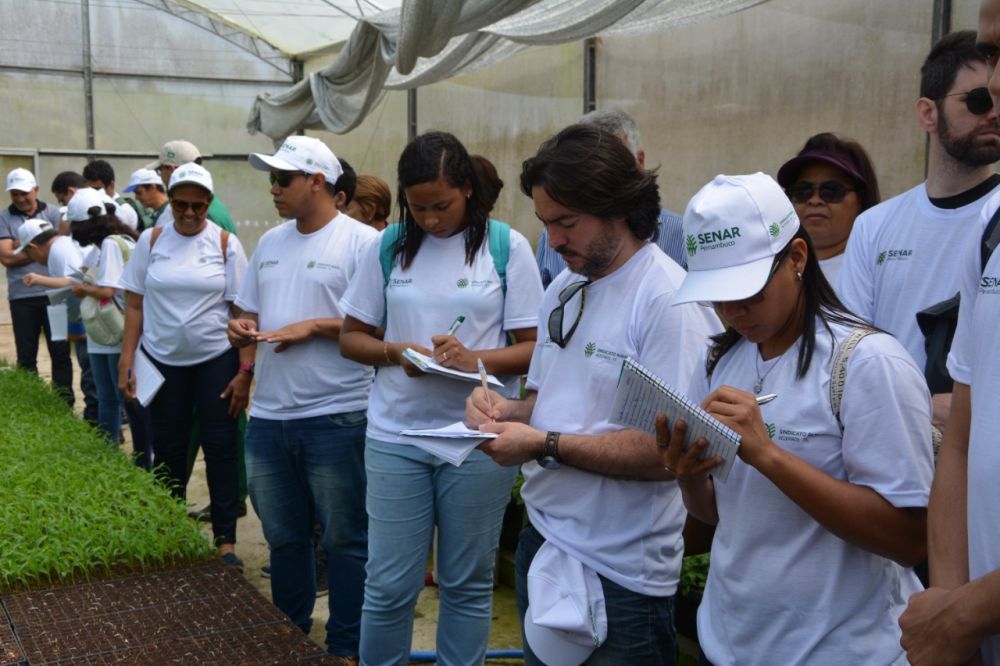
642	395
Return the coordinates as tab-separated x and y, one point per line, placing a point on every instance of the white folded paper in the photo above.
451	443
148	379
429	365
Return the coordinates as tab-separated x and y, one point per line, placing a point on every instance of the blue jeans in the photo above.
307	470
640	628
104	368
409	492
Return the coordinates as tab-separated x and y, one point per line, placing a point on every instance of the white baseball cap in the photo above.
191	173
143	177
301	153
29	231
566	619
176	152
21	180
733	228
85	198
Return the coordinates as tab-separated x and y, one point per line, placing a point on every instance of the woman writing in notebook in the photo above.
826	505
445	260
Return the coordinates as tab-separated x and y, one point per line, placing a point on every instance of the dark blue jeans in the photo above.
640	628
302	471
30	319
183	388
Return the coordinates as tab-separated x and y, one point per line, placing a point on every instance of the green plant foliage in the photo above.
74	508
694	573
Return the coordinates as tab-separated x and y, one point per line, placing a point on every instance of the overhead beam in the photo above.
230	32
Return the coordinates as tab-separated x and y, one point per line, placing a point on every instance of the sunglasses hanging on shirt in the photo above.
557	314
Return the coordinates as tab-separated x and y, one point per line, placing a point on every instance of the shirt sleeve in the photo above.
856	284
673	339
112	264
134	276
6	228
59	261
886	412
365	296
960	356
524	286
543	246
236	267
671	239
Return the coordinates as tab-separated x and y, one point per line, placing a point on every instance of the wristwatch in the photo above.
247	368
550	452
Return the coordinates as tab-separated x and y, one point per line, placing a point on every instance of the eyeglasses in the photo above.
830	191
978	100
556	316
180	206
759	296
283	178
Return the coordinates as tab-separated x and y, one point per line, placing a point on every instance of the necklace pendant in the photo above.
758	386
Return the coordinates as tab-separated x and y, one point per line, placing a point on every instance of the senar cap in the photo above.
300	153
733	228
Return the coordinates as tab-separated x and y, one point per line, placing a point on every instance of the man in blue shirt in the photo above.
669	234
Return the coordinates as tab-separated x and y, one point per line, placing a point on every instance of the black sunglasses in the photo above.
283	178
978	100
556	316
830	191
180	206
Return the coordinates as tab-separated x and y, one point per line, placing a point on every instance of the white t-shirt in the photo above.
831	267
974	360
781	588
186	288
902	257
627	531
293	277
423	301
110	265
65	258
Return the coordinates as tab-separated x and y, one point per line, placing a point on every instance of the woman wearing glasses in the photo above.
826	504
180	284
443	262
831	181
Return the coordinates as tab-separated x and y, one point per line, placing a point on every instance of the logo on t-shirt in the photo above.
397	282
311	264
989	285
591	350
266	263
771	429
774	431
462	283
893	255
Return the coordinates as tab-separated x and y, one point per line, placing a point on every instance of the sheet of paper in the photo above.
451	443
428	364
148	379
58	321
641	396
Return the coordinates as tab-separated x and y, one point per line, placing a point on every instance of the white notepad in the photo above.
148	379
642	395
451	443
429	365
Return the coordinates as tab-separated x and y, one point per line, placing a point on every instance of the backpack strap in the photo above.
498	240
124	247
388	243
838	374
224	242
991	238
157	231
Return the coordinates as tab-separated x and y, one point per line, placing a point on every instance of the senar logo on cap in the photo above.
733	228
300	153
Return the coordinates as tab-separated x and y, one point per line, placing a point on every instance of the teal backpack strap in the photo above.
498	239
387	249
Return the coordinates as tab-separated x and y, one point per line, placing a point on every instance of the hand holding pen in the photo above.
451	353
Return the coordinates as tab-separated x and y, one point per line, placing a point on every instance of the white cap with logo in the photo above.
21	180
29	231
192	173
176	152
733	228
83	200
566	619
300	153
143	177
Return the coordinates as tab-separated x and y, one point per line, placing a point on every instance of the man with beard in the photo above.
906	254
605	515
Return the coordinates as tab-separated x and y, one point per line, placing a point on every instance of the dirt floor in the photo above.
252	548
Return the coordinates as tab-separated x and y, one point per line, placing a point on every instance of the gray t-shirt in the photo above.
10	220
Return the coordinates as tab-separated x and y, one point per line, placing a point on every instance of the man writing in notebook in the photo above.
605	516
